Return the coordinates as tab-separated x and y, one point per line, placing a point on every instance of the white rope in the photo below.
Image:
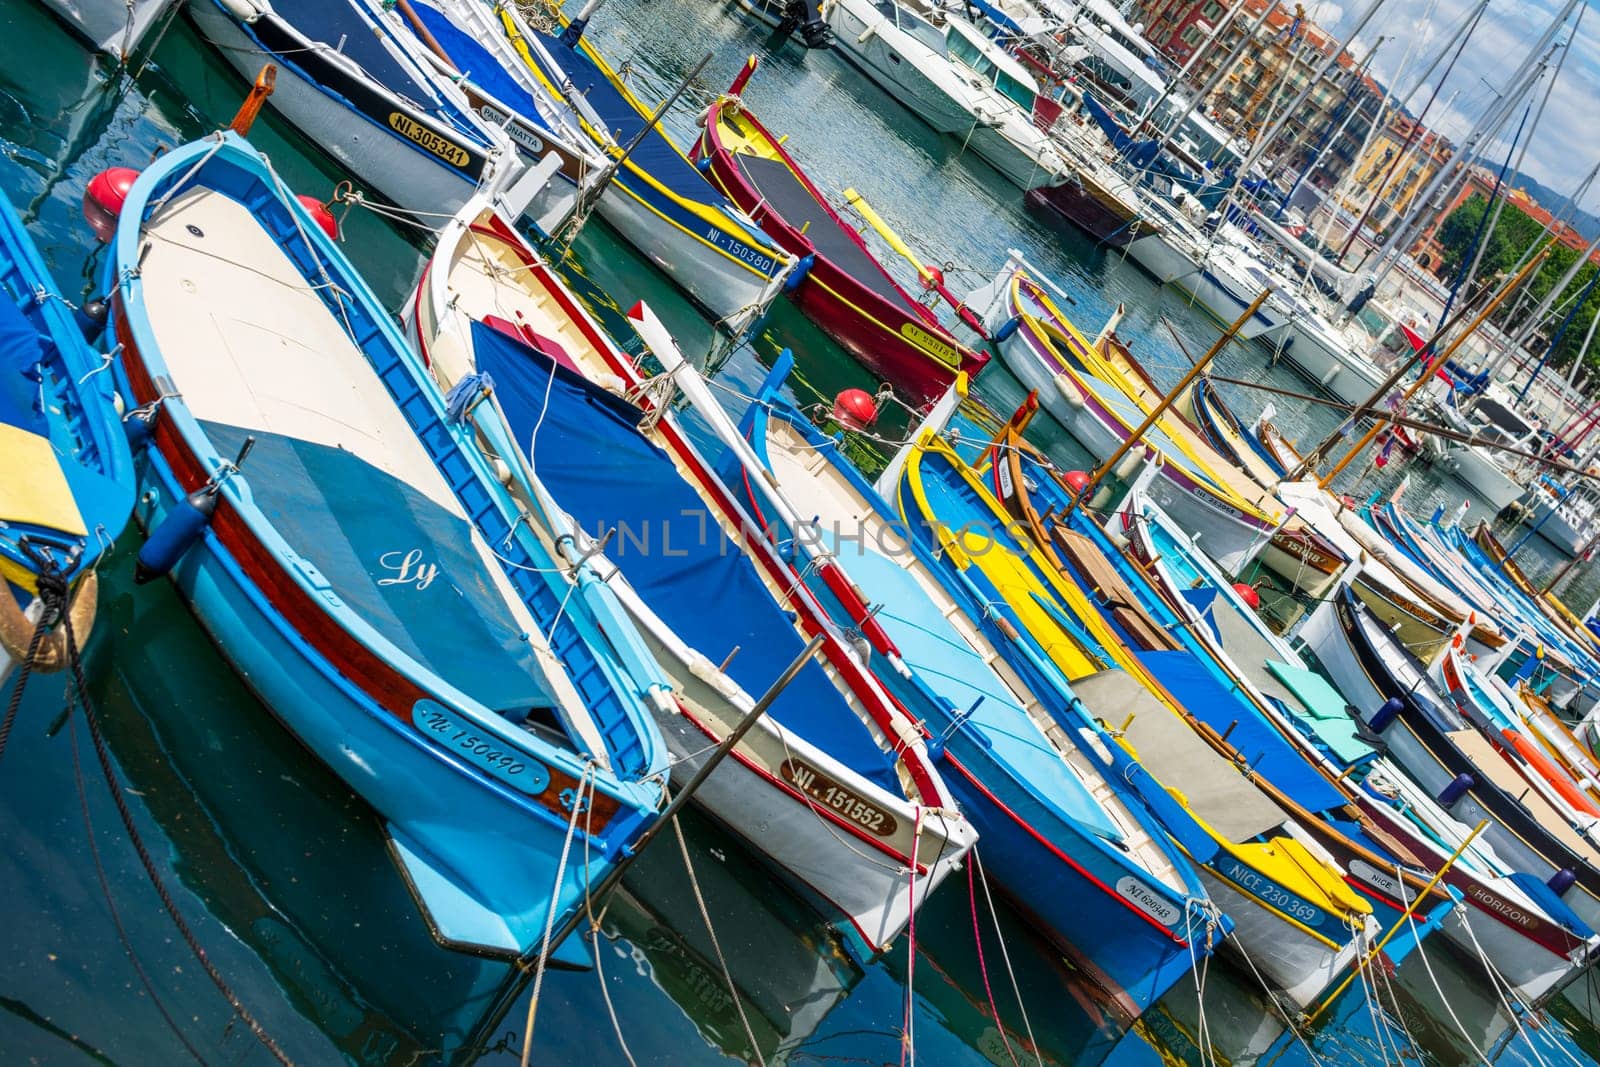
716	945
1272	997
1428	967
1498	983
595	936
1005	955
585	783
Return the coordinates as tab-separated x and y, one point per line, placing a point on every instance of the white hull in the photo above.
859	36
1324	359
1223	533
374	155
716	282
1475	469
1297	965
1159	254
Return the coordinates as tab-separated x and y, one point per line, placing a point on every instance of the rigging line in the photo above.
584	783
596	934
1016	989
983	967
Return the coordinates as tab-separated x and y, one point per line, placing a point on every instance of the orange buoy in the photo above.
319	212
1248	594
104	197
855	409
1077	481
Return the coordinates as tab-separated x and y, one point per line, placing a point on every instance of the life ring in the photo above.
16	631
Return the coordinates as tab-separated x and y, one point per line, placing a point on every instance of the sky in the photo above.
1564	147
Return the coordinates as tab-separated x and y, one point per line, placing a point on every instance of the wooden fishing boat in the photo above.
1499	915
1483	538
846	291
1309	561
834	785
1069	842
1391	693
1537	644
353	80
69	487
1145	638
1492	716
1095	391
1295	918
357	560
655	198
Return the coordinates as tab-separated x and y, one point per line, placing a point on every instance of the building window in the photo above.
1212	12
1191	35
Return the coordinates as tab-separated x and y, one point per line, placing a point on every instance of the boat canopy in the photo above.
399	560
587	449
479	65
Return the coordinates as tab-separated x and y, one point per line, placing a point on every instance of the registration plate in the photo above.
830	794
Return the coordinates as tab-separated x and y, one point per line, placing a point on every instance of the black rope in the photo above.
52	590
111	904
103	755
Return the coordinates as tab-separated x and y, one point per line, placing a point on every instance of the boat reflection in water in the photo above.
274	846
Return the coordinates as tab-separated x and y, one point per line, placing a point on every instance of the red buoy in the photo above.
103	199
854	409
1248	594
1077	481
319	211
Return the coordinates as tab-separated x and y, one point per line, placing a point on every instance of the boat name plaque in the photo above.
1379	880
480	748
829	793
518	131
418	134
1148	900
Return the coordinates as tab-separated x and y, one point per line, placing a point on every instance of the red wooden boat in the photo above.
847	291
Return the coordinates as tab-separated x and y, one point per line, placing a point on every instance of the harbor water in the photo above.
703	957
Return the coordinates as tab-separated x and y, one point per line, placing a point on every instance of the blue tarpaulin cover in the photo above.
20	356
590	456
398	559
1188	680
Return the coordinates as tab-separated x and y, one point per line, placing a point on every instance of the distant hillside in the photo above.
1552	200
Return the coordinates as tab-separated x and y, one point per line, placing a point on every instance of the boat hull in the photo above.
1226	534
1107	219
860	33
428	806
1434	763
348	117
1159	255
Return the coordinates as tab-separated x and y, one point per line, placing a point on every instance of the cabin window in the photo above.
1015	91
924	32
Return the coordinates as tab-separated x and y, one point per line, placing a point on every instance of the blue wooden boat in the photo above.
1068	841
68	488
1296	919
354	556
